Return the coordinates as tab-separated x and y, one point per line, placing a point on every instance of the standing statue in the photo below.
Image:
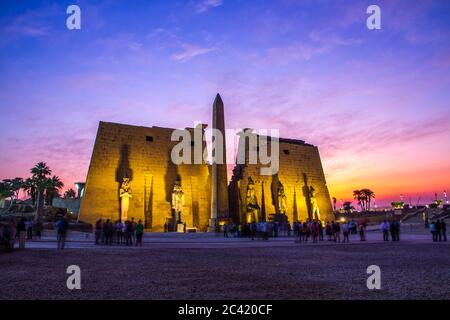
252	202
282	200
314	204
125	195
178	201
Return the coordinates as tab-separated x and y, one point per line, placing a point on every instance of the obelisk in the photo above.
219	181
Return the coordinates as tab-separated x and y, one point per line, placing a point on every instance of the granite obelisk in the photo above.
219	181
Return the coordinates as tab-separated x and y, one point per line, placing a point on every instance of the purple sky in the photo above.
376	102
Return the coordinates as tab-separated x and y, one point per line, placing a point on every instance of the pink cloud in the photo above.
190	51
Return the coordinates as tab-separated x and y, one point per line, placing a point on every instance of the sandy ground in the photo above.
231	270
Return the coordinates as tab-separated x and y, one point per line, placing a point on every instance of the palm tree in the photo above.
347	206
368	195
14	185
29	186
53	185
5	192
357	195
40	175
70	194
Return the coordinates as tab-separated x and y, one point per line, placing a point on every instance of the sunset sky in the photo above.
375	102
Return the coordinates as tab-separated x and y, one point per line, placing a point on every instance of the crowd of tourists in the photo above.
438	230
310	230
129	233
392	228
110	232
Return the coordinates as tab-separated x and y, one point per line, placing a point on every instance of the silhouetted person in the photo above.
438	230
345	231
127	233
61	232
432	227
29	227
392	230
98	231
119	231
133	230
397	230
225	230
38	227
21	227
444	229
362	232
139	233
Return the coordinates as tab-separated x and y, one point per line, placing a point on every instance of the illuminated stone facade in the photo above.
140	159
300	168
144	156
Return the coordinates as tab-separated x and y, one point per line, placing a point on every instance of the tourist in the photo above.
309	229
225	230
21	227
362	231
105	231
139	233
353	227
61	232
385	229
98	231
345	231
289	229
133	230
112	231
320	226
234	230
119	231
438	230
127	234
276	229
38	229
315	231
304	232
392	230
253	230
108	230
266	230
397	230
258	230
432	227
296	230
336	228
444	229
29	229
328	230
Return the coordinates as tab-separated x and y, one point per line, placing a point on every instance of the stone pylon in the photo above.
219	181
